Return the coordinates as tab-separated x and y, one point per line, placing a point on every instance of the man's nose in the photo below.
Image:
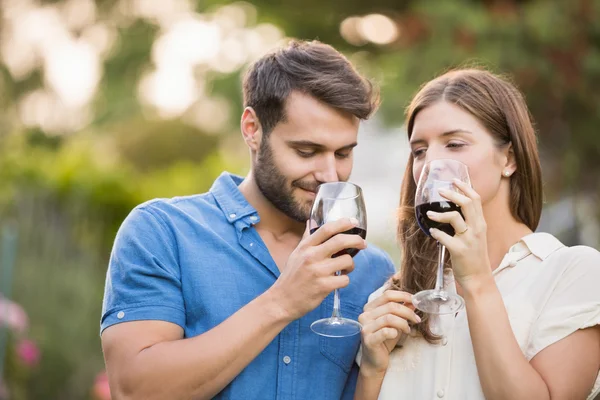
327	171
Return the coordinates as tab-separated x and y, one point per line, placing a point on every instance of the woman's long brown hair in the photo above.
501	108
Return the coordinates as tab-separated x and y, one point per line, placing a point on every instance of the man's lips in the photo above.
311	189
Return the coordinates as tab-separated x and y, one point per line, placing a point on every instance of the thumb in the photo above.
306	230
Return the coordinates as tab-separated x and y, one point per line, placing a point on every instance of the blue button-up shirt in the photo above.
196	260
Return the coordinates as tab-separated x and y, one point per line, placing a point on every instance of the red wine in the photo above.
354	231
439	206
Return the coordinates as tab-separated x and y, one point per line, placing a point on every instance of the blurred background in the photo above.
108	103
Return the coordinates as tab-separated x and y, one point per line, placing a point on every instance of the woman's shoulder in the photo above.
578	257
576	267
548	247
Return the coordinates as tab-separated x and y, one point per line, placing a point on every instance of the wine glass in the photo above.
436	175
333	201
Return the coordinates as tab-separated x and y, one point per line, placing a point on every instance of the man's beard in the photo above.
273	185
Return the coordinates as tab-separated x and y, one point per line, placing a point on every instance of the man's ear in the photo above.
251	129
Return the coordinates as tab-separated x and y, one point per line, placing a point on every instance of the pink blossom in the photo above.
28	352
101	390
13	315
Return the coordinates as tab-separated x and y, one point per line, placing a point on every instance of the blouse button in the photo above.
440	393
444	341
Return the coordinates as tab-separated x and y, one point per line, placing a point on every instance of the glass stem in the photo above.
336	302
439	282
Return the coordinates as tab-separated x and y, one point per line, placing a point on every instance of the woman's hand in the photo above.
383	320
468	247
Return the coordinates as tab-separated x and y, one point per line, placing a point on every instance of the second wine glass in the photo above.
436	175
333	201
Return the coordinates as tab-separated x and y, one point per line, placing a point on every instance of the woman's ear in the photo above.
510	165
251	129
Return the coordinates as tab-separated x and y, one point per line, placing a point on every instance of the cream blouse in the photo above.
549	291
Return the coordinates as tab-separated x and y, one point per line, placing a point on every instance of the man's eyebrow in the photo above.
305	143
317	146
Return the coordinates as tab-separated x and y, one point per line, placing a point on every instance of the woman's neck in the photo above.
503	231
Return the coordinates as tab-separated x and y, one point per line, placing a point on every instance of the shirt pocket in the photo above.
340	351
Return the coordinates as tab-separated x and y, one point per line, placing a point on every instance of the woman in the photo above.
530	326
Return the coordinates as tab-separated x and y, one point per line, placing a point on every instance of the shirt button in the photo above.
251	244
120	315
440	393
444	341
287	359
253	218
512	264
231	215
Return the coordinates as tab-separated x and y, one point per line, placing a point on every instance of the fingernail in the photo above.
417	318
354	221
429	212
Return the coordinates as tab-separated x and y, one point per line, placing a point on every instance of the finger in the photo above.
451	242
469	192
387	321
452	217
343	263
380	336
396	309
465	203
388	296
306	233
326	231
340	242
333	282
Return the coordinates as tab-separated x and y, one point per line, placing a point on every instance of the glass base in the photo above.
437	302
336	327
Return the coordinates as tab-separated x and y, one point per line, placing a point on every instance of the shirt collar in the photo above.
540	245
232	202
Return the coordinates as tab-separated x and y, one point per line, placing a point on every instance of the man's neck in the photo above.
272	220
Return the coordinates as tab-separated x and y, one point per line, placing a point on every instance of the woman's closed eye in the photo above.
418	152
456	145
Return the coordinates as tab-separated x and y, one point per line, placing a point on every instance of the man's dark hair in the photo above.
311	68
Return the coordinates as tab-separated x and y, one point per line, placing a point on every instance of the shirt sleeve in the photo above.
573	304
143	280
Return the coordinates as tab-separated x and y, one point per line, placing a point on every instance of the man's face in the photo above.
311	146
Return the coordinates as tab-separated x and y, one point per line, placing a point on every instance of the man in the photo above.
212	296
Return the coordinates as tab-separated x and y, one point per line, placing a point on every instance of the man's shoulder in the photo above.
173	215
375	253
166	209
178	202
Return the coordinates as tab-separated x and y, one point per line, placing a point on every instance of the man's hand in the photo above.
309	275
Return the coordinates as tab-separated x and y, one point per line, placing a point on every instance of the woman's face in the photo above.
444	130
